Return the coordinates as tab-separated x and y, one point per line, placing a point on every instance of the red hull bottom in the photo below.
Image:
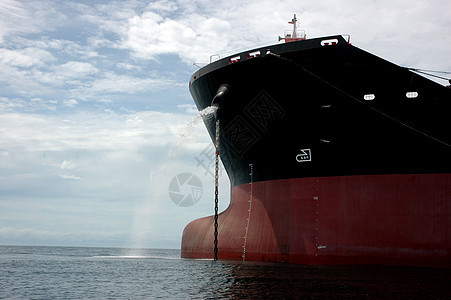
371	219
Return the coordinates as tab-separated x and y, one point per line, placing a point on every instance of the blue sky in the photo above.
95	114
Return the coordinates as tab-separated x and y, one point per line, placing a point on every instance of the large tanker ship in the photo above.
335	156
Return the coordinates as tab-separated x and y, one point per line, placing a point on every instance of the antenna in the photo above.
294	21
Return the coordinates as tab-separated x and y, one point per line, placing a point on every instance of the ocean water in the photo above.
115	273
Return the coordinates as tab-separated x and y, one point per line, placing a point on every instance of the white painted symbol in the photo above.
304	156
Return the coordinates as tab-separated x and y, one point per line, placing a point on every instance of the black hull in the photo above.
302	95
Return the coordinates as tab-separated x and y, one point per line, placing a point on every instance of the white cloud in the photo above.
71	73
7	104
116	83
67	165
32	105
71	48
15	18
70	102
70	177
91	131
75	69
163	6
19	18
150	35
27	57
188	108
128	67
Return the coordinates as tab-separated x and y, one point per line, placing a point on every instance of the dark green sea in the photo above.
114	273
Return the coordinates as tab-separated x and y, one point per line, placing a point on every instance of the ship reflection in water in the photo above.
250	280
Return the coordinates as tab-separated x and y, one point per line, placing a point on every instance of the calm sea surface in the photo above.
92	273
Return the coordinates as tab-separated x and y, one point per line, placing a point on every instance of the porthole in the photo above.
369	97
411	95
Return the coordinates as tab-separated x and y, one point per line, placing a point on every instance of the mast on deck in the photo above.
293	35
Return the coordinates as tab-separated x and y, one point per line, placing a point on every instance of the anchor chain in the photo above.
216	190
